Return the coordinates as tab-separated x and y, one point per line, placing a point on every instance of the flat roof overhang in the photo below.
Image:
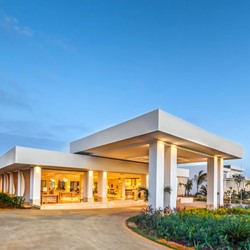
130	140
21	158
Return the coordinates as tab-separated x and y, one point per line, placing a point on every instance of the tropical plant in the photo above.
229	193
238	179
199	179
223	228
7	201
247	183
203	191
237	231
168	189
145	193
188	186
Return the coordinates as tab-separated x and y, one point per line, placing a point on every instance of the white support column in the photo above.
220	182
11	190
144	180
156	175
144	183
20	183
170	176
81	187
5	183
102	186
35	186
88	183
1	183
31	184
123	194
212	176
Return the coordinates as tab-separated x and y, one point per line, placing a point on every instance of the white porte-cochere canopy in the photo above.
151	144
162	141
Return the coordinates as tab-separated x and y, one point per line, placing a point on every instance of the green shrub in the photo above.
237	231
148	219
18	201
224	228
7	201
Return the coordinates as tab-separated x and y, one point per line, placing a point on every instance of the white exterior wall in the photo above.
38	157
227	175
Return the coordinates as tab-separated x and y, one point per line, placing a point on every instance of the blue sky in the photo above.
70	68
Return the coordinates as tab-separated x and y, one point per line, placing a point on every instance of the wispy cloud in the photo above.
12	24
39	130
62	44
8	141
57	42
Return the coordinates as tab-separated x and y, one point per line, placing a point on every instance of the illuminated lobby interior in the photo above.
58	186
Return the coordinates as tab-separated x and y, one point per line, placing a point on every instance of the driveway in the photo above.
76	229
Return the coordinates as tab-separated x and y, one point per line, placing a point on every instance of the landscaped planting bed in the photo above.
224	228
7	201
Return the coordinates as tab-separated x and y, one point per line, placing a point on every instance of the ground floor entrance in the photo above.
59	186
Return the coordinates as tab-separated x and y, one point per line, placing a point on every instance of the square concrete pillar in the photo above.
88	186
35	186
5	184
102	186
123	193
170	176
11	184
212	181
220	182
81	187
156	175
144	180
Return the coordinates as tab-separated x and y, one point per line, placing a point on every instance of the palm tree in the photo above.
188	186
238	179
199	179
203	190
248	183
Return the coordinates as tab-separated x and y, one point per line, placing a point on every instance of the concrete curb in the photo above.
141	237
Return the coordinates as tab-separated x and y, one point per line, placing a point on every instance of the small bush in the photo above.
237	231
7	201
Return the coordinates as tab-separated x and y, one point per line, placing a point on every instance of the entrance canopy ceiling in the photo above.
130	140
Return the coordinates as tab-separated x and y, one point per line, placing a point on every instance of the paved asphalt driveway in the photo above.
78	229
